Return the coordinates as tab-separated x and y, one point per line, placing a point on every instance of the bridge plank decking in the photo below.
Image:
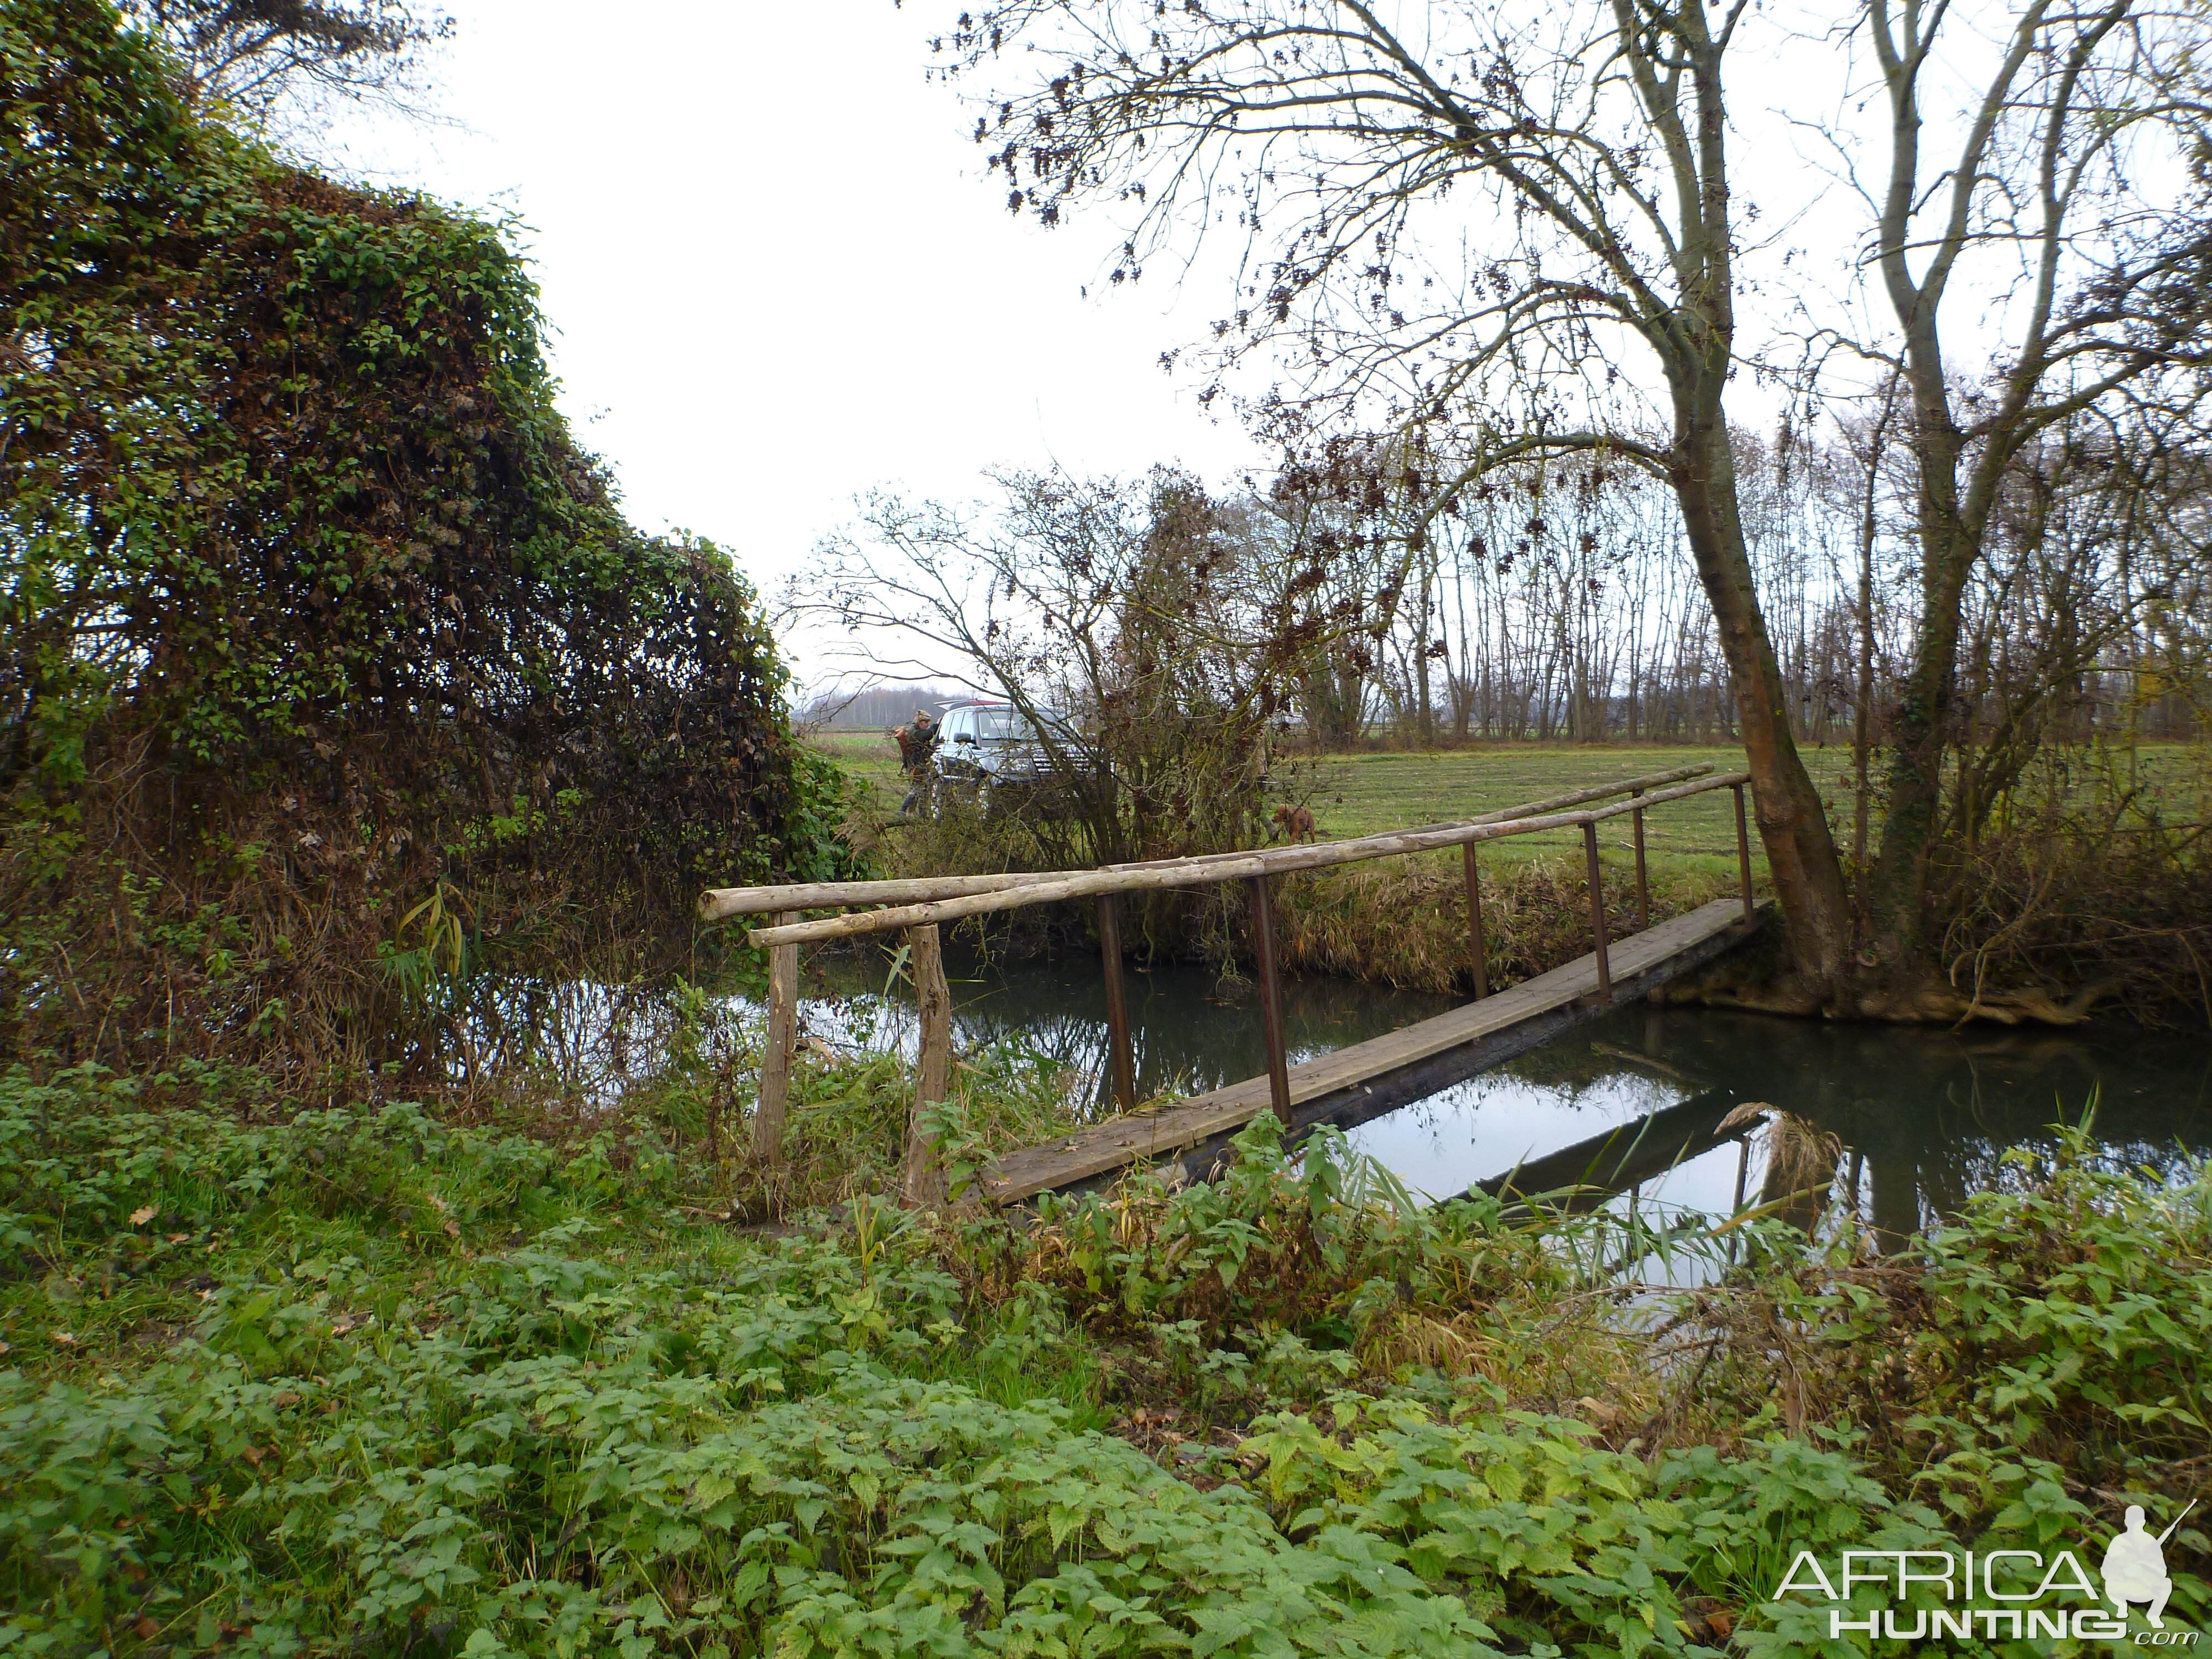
1355	1084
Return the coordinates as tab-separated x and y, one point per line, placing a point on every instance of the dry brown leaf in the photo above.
1749	1111
140	1217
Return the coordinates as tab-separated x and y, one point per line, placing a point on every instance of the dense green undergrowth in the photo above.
348	1378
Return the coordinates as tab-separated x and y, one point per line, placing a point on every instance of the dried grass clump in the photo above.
1403	922
2086	915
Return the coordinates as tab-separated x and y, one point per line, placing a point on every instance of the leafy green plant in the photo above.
358	1378
1325	1243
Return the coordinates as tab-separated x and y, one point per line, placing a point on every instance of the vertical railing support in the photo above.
933	1080
1271	999
1742	1174
775	1056
1597	911
1121	1061
1643	881
1475	924
1743	858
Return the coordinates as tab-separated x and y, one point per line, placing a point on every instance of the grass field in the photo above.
1360	795
1365	794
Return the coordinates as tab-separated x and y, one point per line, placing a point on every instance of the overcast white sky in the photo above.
776	277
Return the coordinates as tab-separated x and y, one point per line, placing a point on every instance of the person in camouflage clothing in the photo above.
917	742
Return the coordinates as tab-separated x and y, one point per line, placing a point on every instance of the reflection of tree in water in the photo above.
578	1038
1927	1115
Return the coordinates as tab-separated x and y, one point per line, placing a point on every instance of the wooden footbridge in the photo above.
1343	1088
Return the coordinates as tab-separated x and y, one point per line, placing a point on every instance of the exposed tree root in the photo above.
1759	979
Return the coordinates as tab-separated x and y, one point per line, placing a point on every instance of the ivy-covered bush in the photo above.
295	551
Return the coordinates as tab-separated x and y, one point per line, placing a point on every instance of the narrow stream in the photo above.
1920	1117
1908	1121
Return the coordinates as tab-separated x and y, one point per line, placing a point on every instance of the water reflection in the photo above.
1191	1031
1918	1118
1914	1120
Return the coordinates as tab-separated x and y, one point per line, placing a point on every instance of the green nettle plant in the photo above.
357	1380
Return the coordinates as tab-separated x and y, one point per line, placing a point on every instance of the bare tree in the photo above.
1597	133
2057	199
1139	626
255	57
1851	480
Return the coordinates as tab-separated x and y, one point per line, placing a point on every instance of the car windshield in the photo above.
1002	725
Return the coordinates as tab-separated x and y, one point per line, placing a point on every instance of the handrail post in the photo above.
1642	882
932	1071
776	1055
1742	1174
1743	858
1474	924
1121	1062
1271	999
1597	911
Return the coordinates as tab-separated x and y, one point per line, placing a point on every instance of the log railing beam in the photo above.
720	904
1195	874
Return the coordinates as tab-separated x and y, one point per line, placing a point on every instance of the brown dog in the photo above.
1295	822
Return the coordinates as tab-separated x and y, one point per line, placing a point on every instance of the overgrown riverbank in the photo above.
296	1376
330	672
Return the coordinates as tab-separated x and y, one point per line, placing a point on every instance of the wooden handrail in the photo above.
1195	872
949	898
720	904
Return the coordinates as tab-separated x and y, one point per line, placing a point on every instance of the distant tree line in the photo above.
1550	601
874	708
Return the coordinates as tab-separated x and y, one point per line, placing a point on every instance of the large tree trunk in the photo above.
1924	719
1793	821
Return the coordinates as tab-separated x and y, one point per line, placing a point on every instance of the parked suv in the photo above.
988	753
